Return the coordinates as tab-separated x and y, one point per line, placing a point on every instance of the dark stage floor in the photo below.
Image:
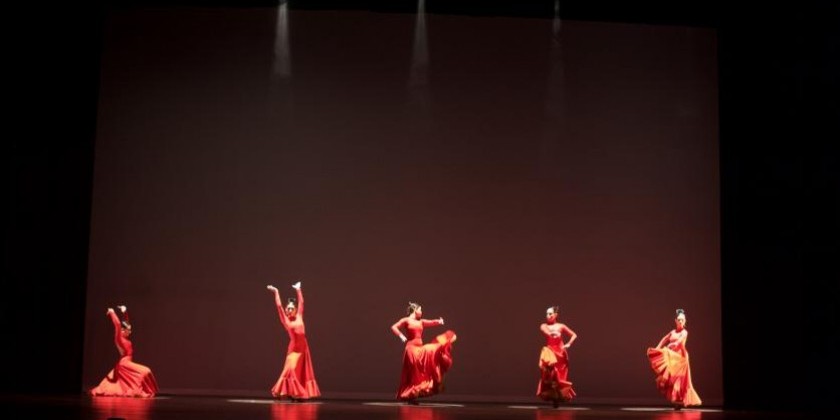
211	408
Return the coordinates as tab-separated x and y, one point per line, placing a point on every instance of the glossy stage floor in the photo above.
212	408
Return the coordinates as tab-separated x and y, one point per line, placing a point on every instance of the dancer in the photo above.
554	360
297	380
423	364
126	379
669	361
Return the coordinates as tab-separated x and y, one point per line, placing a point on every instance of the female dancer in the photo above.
554	360
423	364
669	361
297	380
126	379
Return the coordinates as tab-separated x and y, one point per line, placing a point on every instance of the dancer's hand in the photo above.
109	311
441	320
402	337
122	308
565	346
296	286
271	288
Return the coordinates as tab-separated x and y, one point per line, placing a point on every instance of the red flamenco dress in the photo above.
424	364
297	380
673	372
126	379
554	368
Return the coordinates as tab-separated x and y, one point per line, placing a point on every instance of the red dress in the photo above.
673	372
297	380
554	369
126	379
424	364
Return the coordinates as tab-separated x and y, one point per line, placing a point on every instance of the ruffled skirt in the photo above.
673	376
127	379
297	380
424	366
554	369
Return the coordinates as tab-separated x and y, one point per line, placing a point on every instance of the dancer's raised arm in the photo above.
279	303
432	322
297	288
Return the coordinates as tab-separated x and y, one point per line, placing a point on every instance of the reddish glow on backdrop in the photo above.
575	166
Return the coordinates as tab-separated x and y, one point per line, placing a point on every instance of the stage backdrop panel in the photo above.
485	167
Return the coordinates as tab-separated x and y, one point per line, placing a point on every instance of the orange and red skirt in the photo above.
424	366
